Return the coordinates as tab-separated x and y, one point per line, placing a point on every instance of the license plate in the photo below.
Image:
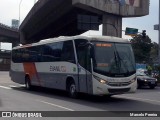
152	82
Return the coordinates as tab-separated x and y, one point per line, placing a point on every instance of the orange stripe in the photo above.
30	69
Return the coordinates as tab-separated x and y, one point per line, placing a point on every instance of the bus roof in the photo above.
65	38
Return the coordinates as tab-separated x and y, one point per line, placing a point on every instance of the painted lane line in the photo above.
22	85
141	99
12	86
8	88
56	105
16	86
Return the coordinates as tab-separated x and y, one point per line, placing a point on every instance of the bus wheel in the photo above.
72	90
28	83
138	86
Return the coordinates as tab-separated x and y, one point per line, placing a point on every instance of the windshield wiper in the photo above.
115	62
118	64
121	60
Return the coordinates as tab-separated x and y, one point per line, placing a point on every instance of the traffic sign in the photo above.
156	27
131	31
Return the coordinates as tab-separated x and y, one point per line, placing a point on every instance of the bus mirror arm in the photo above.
91	49
92	52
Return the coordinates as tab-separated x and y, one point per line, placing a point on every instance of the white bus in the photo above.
97	65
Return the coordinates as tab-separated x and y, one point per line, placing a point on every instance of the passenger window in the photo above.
68	52
83	54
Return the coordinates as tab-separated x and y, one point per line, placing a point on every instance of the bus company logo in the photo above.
63	68
58	68
55	68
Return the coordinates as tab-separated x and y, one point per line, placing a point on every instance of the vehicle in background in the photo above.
144	80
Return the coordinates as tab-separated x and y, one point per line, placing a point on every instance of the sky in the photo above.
11	9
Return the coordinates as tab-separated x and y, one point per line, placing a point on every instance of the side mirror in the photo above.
92	51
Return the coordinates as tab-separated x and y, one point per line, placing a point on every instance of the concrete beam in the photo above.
53	18
112	25
115	8
8	34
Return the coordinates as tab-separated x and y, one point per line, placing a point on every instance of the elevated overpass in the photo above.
52	18
9	35
5	57
5	54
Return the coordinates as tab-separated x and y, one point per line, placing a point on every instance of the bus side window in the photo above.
83	54
68	52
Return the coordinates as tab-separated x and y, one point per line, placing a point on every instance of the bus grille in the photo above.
115	84
119	90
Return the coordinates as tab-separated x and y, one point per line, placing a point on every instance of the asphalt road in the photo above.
14	97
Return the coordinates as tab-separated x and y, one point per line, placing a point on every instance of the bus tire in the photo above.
138	86
28	83
72	89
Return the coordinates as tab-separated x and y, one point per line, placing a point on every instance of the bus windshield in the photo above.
113	59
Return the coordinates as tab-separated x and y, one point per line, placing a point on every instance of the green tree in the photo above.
154	51
142	48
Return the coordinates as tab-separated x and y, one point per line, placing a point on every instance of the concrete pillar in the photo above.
22	38
112	25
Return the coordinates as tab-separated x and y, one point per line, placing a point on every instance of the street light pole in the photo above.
159	35
20	12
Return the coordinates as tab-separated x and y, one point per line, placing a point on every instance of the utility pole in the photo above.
20	12
157	27
35	1
159	35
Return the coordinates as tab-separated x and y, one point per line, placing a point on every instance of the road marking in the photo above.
22	85
133	98
56	105
12	86
5	87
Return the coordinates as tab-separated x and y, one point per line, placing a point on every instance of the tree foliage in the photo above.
154	51
142	47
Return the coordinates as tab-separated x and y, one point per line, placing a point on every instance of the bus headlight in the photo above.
101	80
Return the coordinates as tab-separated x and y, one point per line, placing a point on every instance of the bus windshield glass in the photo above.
113	59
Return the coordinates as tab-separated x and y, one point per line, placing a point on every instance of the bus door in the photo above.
84	67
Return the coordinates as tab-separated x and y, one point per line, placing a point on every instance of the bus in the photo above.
96	65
